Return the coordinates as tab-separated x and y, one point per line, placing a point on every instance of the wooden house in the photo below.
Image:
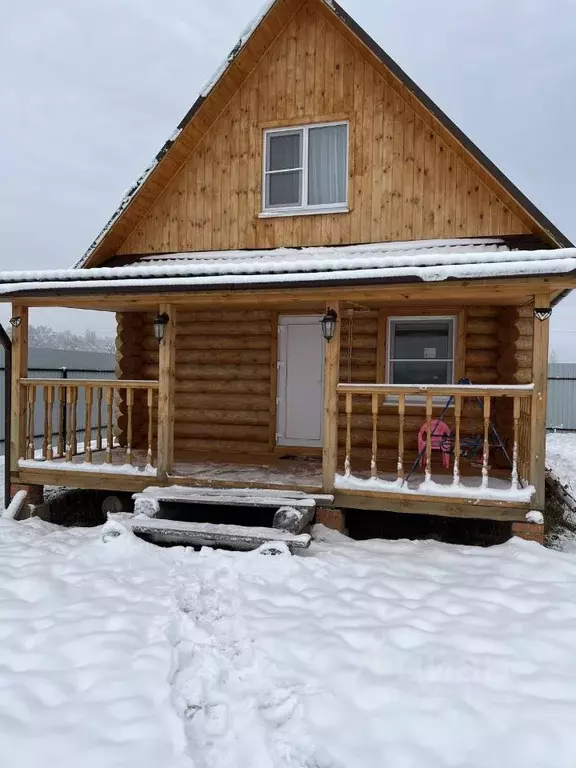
311	181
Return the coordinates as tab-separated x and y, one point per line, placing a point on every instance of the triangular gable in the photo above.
240	65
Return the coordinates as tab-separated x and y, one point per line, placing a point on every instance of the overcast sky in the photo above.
90	89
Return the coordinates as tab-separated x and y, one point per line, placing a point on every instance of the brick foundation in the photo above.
331	518
529	532
35	492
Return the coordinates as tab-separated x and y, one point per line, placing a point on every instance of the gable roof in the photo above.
430	261
245	55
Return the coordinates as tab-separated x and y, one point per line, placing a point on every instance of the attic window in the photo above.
305	169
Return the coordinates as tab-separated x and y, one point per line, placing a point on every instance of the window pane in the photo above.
283	189
421	373
327	147
421	340
284	151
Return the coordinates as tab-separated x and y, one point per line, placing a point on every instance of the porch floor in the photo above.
290	473
243	471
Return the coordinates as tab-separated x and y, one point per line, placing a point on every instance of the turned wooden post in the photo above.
88	425
538	416
348	459
428	470
330	427
486	444
19	371
150	401
400	462
457	416
374	460
166	390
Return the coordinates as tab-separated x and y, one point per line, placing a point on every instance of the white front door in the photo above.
300	381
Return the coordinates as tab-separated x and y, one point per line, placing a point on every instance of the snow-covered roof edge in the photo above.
318	266
547	226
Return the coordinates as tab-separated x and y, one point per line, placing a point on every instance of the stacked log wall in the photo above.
131	328
223	380
515	349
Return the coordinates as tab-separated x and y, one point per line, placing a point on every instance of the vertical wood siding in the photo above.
404	181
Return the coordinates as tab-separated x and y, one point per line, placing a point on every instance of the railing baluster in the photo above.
31	403
69	423
457	415
150	426
109	436
88	426
99	419
514	477
401	412
74	421
45	437
61	441
129	406
347	461
374	460
486	449
428	472
48	408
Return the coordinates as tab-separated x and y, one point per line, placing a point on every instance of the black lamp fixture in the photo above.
328	323
15	321
542	313
160	322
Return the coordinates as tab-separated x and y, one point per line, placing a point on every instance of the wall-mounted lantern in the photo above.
160	323
329	324
542	313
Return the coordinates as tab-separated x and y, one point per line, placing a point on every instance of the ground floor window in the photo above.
420	350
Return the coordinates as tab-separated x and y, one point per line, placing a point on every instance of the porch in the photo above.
480	468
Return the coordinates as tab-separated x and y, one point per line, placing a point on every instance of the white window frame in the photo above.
304	209
419	399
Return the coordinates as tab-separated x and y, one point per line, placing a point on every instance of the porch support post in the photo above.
538	416
330	432
19	371
166	390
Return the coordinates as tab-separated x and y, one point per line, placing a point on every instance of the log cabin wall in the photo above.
131	329
405	182
223	380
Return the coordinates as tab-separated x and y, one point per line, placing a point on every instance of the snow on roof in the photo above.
428	261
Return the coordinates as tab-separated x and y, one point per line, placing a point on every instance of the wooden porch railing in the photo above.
102	400
396	405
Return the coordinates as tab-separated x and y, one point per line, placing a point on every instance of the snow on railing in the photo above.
399	431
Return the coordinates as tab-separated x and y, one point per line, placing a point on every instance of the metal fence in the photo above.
58	373
562	396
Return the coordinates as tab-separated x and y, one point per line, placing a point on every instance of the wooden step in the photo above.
238	537
245	497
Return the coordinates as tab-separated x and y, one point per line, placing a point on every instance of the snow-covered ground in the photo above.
114	652
561	457
356	655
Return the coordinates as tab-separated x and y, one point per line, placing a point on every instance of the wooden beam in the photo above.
19	371
487	290
330	432
166	381
428	505
538	416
